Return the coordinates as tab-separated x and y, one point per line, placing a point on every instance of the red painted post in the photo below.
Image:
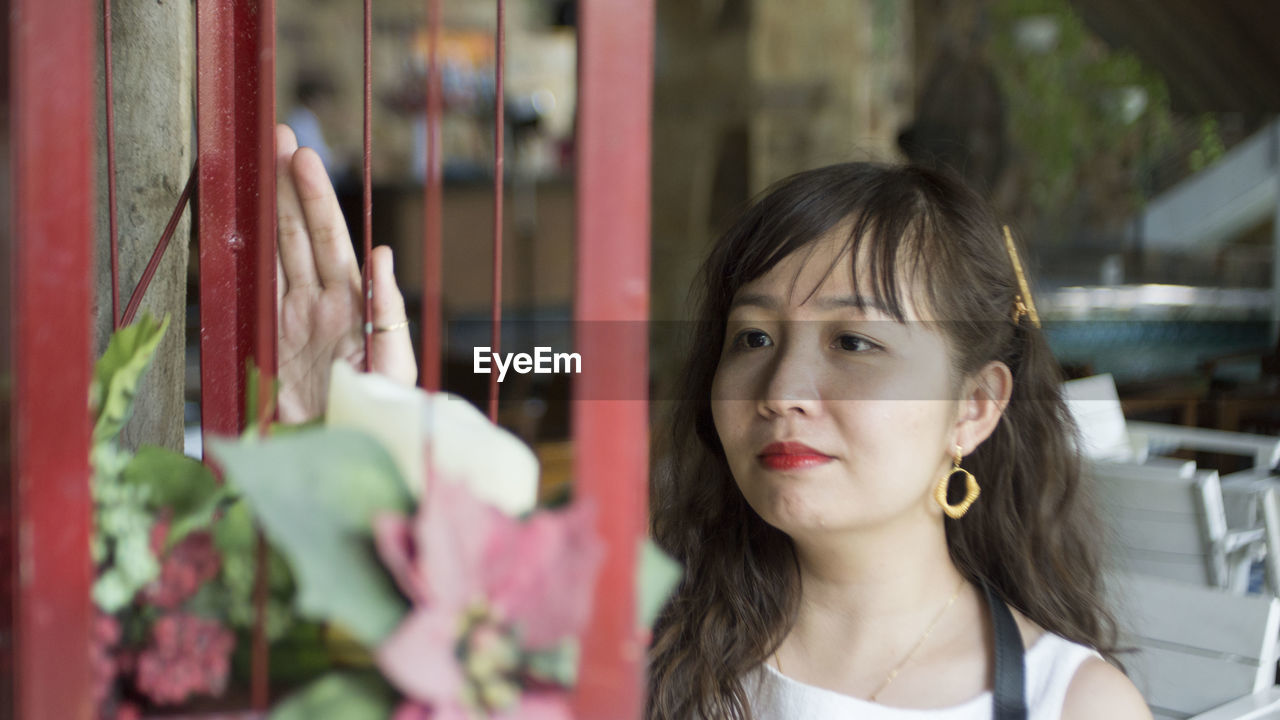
235	90
610	408
235	96
48	159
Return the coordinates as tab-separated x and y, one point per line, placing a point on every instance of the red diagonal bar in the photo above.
139	292
47	239
615	75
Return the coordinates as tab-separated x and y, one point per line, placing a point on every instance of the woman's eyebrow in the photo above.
857	302
765	302
837	302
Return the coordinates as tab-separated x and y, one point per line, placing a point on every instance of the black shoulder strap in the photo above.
1010	698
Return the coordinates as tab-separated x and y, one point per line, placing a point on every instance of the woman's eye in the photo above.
752	339
856	343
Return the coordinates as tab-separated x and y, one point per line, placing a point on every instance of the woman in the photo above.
861	343
863	351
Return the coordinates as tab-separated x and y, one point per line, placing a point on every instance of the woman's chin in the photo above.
791	507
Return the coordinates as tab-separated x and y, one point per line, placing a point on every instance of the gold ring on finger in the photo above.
391	327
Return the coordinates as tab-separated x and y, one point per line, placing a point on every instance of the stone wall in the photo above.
153	62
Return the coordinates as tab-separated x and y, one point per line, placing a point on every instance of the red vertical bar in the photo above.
8	298
264	346
51	98
432	250
234	91
499	130
610	410
366	190
235	95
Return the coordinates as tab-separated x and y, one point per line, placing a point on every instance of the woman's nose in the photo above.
791	386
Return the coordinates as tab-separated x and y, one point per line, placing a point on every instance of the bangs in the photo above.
884	216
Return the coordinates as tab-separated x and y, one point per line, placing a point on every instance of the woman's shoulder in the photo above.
1066	674
1099	689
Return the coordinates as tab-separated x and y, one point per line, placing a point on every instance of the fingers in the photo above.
335	259
297	268
391	351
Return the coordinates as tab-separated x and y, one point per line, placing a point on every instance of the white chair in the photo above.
1199	653
1106	435
1168	521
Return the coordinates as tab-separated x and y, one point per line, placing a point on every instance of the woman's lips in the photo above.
791	456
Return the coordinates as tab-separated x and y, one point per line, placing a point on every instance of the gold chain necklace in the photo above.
893	674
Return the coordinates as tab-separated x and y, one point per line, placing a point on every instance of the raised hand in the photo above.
319	309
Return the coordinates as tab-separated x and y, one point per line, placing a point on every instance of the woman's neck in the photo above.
867	595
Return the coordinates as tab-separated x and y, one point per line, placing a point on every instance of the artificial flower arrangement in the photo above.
173	553
406	520
409	521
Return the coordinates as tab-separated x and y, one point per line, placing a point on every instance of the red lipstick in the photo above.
791	456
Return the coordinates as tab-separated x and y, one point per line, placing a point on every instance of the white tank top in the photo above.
1050	665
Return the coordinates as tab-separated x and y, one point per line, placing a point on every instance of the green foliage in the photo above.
122	517
1067	105
130	490
118	372
182	486
253	415
658	575
315	493
231	597
1211	147
339	696
556	665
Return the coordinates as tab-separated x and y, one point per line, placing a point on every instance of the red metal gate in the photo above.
45	174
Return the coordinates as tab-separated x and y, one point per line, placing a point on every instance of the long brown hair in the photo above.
1032	536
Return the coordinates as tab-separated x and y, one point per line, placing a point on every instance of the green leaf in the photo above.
340	697
236	539
315	493
557	665
177	482
253	385
183	485
658	575
134	558
111	591
118	372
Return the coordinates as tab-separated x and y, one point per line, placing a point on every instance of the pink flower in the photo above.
184	568
105	636
188	654
487	589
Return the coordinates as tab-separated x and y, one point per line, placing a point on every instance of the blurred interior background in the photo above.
1133	147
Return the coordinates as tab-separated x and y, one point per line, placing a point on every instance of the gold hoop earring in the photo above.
971	491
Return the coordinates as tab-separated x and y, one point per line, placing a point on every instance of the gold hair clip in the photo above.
1022	304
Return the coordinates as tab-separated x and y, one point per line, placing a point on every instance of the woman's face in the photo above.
833	416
